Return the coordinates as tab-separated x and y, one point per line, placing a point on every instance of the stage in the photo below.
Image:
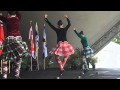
69	74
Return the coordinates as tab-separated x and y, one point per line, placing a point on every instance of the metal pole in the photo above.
31	63
1	66
44	64
37	59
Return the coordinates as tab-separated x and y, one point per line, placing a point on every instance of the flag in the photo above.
1	35
32	52
1	31
45	54
36	39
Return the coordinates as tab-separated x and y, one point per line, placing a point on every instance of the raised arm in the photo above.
48	22
18	14
79	35
68	20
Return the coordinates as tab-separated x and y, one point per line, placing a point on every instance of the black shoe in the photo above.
85	71
61	72
4	78
17	78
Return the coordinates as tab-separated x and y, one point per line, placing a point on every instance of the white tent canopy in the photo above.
109	56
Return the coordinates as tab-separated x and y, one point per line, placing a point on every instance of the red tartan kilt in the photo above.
63	49
0	52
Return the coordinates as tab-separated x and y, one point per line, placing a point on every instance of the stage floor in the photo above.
69	74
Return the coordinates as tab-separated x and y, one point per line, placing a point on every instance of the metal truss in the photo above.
106	38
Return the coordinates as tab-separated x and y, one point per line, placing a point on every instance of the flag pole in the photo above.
44	63
37	47
44	47
1	66
44	52
37	59
31	63
30	45
30	21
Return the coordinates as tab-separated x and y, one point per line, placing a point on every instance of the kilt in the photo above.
63	49
14	48
87	52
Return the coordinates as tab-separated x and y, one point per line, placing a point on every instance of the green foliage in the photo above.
117	39
93	59
24	63
48	59
75	58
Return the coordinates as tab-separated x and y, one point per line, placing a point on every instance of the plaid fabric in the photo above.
1	47
87	52
14	48
62	49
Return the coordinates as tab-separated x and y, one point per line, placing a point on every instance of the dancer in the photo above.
63	48
87	51
14	48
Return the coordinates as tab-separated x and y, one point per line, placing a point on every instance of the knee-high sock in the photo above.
65	60
60	64
18	66
5	70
